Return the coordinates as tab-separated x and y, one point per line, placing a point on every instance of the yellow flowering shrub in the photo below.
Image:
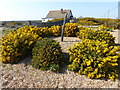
100	35
44	32
107	22
56	19
41	31
95	59
71	29
55	30
102	27
86	22
12	23
17	44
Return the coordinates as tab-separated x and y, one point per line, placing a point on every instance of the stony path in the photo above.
1	28
115	34
22	75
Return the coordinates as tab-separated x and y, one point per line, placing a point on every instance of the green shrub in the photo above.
47	55
95	59
96	35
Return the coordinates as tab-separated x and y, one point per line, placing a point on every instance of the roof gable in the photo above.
57	14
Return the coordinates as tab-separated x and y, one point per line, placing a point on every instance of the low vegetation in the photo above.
96	56
56	19
47	55
16	45
106	22
95	59
101	35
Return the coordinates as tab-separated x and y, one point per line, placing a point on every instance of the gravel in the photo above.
23	75
115	33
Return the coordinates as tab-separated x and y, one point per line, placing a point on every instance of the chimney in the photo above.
62	11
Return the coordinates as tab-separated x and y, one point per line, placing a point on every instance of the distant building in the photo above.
81	17
119	10
57	14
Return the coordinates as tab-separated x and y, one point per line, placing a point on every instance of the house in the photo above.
57	14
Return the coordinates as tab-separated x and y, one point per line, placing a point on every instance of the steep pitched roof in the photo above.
57	14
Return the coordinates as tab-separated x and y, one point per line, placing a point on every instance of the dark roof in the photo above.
57	14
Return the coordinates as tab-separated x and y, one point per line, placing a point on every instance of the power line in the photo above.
114	8
107	14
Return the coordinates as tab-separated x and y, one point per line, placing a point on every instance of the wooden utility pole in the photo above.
63	26
118	21
119	10
108	13
119	36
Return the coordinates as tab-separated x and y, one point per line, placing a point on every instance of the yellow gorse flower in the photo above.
95	58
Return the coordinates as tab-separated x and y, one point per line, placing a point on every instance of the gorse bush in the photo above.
56	19
47	55
95	59
100	35
87	22
112	24
41	31
71	29
83	30
16	45
102	27
107	22
55	30
44	32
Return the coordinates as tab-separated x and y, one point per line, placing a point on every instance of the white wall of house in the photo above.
46	19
